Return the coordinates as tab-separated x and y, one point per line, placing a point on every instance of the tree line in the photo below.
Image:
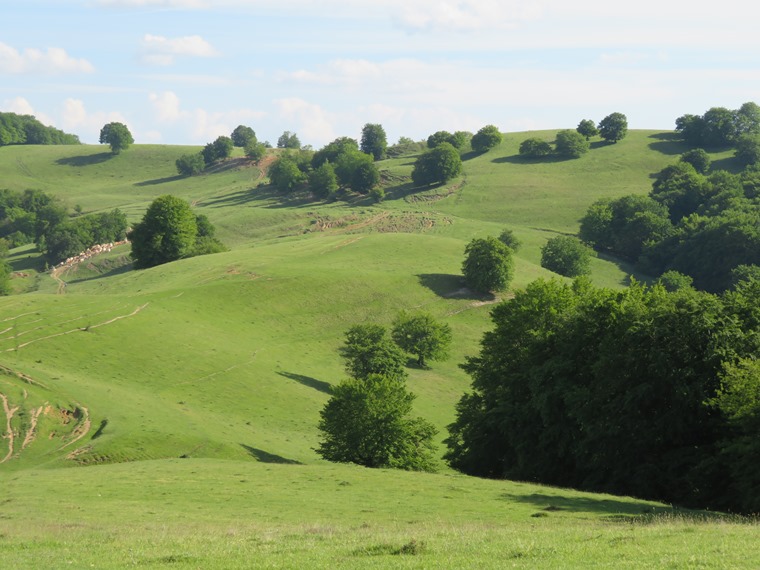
25	129
32	216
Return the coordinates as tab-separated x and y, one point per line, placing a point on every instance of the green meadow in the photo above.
166	418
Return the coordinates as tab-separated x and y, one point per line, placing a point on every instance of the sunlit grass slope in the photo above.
187	395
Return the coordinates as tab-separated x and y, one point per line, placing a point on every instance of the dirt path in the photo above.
8	427
79	329
22	376
56	275
31	434
264	165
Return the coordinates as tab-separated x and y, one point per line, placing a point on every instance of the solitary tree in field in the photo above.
535	148
166	233
571	144
486	138
374	141
367	421
438	165
420	334
613	127
117	136
488	265
190	164
243	136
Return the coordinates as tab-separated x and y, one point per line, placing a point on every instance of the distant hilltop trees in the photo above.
26	129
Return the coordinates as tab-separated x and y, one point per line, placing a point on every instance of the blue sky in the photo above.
187	71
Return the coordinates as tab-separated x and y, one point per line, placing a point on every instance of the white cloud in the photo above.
202	125
465	15
21	106
77	118
312	122
159	50
49	62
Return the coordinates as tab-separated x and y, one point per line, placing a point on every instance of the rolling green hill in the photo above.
167	417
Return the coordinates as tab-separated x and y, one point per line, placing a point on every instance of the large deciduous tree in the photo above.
613	127
289	140
117	136
566	255
436	166
369	350
488	265
167	232
486	138
243	136
420	334
374	141
571	144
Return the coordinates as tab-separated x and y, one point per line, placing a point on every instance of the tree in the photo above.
190	164
323	182
571	144
748	149
368	350
718	127
5	277
255	151
673	281
438	165
698	158
366	421
220	149
288	140
488	265
567	256
285	174
243	136
331	151
535	148
420	334
587	128
374	141
439	137
508	238
116	135
166	232
613	127
486	138
680	188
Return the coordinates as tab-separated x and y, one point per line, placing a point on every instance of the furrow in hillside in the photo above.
8	427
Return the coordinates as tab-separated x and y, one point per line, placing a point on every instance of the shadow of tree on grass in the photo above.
265	457
451	287
308	381
85	160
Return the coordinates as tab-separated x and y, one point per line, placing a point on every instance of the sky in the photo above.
187	71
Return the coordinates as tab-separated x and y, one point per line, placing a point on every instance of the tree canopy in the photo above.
488	265
486	138
117	136
368	350
374	142
613	127
566	255
535	148
587	128
437	165
243	136
571	144
420	334
26	129
289	140
640	392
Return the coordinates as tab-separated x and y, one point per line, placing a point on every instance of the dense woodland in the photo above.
25	129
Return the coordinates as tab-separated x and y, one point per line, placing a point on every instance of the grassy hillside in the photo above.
225	361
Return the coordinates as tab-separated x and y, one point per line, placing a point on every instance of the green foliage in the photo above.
625	225
613	127
748	149
571	144
405	146
438	165
673	281
218	150
243	136
535	148
566	255
288	140
117	136
366	421
69	237
374	141
508	238
719	127
680	188
420	334
486	138
488	265
368	351
5	277
167	232
25	129
332	151
255	151
439	137
285	174
698	158
608	390
323	182
190	164
587	128
377	194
